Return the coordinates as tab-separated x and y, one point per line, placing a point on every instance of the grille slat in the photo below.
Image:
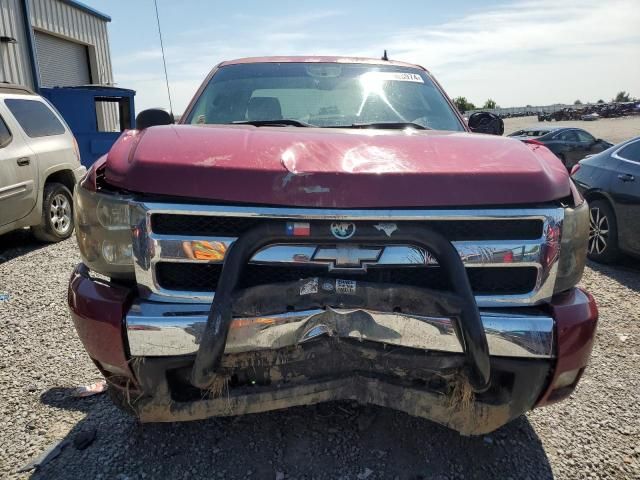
490	280
454	230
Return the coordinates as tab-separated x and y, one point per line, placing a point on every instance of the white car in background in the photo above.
39	166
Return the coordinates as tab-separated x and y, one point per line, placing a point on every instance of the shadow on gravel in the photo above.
18	242
335	440
626	271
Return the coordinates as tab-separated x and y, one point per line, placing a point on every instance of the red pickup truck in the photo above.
322	228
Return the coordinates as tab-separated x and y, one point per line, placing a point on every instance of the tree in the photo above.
600	101
463	105
622	97
490	104
577	102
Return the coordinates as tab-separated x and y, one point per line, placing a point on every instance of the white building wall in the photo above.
14	57
54	17
59	18
62	19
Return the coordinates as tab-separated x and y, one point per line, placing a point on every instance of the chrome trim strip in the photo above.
171	249
160	329
150	248
617	156
293	213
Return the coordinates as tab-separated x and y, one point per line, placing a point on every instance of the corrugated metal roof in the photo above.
88	9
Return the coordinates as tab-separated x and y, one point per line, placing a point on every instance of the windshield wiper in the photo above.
285	122
389	125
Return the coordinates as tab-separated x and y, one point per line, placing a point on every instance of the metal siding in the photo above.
62	63
14	58
60	18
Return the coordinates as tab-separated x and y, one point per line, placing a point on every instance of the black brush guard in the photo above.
461	302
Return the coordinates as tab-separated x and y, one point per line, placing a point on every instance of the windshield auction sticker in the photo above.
392	76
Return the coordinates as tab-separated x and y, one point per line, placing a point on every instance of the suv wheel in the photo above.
603	233
57	214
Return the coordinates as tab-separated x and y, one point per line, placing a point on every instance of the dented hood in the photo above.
334	168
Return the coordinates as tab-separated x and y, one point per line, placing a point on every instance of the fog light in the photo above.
566	379
116	253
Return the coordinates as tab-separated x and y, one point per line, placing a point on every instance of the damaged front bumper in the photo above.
160	329
146	350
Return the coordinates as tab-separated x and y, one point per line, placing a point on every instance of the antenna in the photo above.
164	62
384	56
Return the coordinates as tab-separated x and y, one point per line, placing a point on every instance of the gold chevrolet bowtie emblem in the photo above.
347	256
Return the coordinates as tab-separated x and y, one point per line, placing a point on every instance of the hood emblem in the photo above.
343	230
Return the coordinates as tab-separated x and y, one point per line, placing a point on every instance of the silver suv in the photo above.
39	166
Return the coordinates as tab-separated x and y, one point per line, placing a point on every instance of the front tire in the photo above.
603	233
57	214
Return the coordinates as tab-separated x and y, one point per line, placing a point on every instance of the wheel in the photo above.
603	233
57	214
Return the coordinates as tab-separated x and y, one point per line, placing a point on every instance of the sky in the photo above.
519	52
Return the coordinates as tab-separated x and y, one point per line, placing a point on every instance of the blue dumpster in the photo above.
97	115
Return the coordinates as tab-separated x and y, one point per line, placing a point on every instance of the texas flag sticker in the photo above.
298	229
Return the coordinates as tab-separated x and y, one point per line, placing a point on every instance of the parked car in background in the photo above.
610	181
568	143
39	166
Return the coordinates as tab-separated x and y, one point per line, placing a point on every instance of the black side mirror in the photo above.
486	122
153	117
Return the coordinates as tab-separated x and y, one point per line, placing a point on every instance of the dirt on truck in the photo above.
322	228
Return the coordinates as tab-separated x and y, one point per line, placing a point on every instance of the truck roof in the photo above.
319	59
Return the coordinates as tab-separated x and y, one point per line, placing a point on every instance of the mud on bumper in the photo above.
425	385
430	354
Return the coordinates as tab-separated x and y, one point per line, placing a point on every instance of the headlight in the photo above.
573	247
103	231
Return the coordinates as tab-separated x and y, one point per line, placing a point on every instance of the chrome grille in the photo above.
505	251
204	226
202	277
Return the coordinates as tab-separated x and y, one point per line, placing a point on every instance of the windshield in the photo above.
323	95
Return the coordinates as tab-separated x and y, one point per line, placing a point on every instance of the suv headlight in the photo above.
573	247
103	231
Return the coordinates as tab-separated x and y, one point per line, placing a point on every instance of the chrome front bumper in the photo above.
161	329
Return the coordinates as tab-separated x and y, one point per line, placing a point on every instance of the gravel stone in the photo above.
595	434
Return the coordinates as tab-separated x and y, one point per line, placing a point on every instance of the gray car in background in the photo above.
570	144
39	166
610	181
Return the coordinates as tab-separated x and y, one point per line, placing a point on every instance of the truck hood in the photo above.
334	168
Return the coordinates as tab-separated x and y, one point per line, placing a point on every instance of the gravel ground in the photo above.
596	434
